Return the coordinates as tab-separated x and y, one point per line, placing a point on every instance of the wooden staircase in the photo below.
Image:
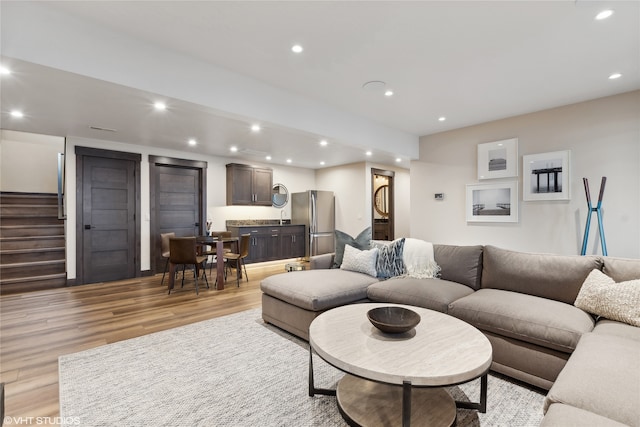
32	243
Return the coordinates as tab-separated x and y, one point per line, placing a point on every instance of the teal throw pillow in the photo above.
361	241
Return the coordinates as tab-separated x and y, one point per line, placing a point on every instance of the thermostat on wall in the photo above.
438	196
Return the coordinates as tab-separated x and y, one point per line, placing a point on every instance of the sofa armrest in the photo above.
323	261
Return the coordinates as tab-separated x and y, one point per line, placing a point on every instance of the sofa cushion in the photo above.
390	263
618	329
361	241
462	264
621	269
556	277
317	290
602	376
559	415
360	261
434	294
602	296
535	320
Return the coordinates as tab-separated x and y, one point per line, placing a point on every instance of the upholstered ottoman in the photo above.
292	300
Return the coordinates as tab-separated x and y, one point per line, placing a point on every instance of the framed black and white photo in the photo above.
492	202
546	176
498	159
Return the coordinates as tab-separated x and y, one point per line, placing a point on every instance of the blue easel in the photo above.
598	211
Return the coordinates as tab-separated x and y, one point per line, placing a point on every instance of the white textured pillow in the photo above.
602	296
360	261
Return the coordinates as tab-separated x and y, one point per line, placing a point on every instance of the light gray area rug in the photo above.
234	371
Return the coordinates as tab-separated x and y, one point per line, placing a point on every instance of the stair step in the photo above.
25	220
28	198
16	256
36	242
29	269
30	211
28	284
31	230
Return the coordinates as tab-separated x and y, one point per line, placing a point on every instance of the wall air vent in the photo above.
250	152
103	129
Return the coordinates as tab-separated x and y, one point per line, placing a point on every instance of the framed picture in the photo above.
498	159
492	202
546	176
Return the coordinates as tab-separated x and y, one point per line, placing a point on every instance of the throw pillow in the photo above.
390	263
361	241
360	261
602	296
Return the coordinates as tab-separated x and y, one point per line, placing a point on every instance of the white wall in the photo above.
603	136
29	162
295	179
352	187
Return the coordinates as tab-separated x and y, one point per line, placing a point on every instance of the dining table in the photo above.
218	242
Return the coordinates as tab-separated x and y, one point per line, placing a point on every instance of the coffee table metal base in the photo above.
369	403
393	402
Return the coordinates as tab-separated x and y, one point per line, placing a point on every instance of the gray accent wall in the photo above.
604	138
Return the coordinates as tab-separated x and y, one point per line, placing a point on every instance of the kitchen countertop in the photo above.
257	223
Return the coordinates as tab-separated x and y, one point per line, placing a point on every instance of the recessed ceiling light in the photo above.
388	93
615	76
368	153
17	114
324	143
160	106
442	119
268	157
192	142
604	14
4	70
255	128
322	163
296	48
233	149
289	160
398	159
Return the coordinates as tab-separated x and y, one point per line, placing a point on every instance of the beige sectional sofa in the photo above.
524	304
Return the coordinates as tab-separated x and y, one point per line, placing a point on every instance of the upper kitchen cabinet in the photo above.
247	185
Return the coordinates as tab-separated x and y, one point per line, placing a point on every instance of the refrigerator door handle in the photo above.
314	222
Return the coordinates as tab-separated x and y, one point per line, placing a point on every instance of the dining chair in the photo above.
239	257
182	251
164	245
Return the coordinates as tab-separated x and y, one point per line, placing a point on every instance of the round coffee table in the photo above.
395	379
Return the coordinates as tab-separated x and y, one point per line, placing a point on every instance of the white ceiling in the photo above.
470	61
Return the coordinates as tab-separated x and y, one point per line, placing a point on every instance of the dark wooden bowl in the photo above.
393	320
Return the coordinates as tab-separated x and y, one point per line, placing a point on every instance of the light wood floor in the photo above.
37	327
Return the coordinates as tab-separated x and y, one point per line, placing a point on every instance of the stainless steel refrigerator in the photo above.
316	210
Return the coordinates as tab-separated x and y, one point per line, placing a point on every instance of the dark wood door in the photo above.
178	204
108	219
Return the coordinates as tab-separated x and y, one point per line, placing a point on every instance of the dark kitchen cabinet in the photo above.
248	186
273	242
292	241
